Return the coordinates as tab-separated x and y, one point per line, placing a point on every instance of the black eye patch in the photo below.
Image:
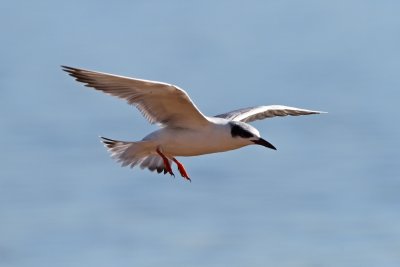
237	130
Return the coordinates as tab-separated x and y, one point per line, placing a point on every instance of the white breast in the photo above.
187	142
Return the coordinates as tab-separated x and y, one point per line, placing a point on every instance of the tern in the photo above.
185	130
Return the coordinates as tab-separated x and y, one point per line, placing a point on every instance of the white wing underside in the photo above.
263	112
160	103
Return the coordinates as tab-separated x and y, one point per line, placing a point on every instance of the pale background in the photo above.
330	195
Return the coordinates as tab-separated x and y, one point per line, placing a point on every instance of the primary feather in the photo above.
161	103
263	112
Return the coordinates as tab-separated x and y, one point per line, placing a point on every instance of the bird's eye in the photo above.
237	131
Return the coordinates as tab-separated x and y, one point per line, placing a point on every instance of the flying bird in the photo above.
184	129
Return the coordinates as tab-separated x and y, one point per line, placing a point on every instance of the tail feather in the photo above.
134	153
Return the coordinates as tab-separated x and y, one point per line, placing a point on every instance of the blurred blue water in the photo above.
327	197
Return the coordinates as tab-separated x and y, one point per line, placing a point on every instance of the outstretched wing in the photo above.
161	103
263	112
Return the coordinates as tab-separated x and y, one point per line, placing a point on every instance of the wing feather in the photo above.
159	102
263	112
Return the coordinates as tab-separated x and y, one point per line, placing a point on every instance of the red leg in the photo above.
166	163
182	169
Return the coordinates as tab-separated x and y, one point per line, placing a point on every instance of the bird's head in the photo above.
248	133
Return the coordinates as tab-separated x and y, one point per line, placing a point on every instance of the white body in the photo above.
212	138
185	130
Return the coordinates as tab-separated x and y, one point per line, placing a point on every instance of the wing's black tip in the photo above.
107	139
108	142
70	70
67	69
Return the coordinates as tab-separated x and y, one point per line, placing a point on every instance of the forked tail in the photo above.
140	153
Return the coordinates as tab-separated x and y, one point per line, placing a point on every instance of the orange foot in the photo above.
182	169
166	163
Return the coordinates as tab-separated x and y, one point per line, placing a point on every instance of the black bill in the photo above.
265	143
